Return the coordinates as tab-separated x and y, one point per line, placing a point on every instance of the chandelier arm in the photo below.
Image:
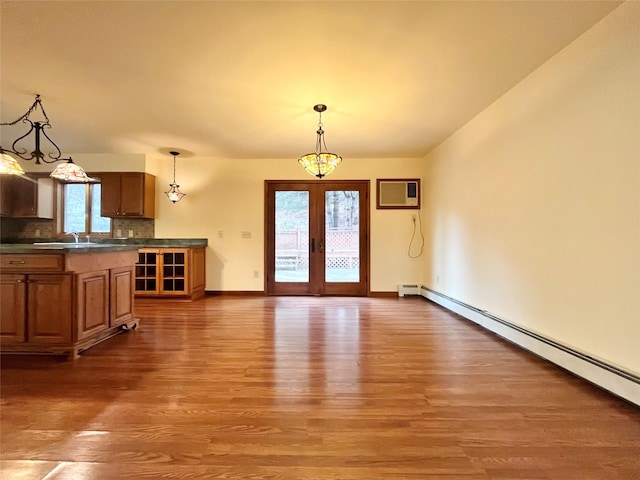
53	158
22	152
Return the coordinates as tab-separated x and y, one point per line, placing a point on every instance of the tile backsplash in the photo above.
37	228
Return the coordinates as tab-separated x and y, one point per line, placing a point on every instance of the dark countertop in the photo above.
47	245
64	248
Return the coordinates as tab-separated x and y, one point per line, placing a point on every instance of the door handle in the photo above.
313	245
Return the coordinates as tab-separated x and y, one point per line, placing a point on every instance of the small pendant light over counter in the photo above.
174	194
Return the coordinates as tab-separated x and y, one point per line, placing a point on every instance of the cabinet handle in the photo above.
19	281
17	262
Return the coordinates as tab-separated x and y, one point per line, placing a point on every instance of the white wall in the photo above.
534	206
228	195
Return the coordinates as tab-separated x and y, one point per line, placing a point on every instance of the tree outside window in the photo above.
81	211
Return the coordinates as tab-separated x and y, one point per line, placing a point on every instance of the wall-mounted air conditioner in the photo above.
398	193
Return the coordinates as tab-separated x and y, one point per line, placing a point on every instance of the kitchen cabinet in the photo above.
121	290
92	302
23	196
5	195
170	272
127	194
13	309
35	309
64	303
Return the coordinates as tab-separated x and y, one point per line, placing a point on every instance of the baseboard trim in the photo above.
384	294
621	383
234	293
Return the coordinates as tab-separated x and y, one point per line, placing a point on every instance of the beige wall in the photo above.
534	206
228	196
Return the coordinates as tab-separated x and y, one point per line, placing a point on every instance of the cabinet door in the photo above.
92	305
175	271
12	309
198	272
25	197
6	195
49	308
110	194
147	272
132	194
121	295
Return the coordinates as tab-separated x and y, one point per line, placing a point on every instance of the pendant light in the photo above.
320	163
68	172
174	194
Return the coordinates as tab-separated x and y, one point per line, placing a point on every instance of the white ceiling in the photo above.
239	79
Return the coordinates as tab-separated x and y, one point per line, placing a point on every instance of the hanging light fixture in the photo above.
71	173
320	163
9	165
174	194
8	161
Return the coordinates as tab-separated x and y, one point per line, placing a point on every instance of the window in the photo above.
81	209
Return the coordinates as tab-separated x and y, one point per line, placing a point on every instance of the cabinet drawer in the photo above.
32	263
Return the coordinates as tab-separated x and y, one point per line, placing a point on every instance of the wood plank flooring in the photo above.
308	388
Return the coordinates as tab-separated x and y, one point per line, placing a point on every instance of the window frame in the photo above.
60	212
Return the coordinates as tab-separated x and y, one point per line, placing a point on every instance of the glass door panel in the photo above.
342	236
291	236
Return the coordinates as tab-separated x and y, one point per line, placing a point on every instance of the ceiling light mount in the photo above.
320	162
174	194
68	172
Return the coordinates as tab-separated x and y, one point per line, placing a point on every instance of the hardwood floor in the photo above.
308	388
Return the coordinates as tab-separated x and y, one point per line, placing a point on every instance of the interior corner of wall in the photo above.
151	164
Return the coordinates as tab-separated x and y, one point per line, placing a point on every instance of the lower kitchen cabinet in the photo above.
170	272
35	309
68	310
13	309
92	302
121	301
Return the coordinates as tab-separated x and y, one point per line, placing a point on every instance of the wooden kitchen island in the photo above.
64	298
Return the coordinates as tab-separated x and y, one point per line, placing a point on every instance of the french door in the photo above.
317	237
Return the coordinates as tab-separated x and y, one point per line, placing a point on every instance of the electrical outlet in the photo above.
130	233
256	274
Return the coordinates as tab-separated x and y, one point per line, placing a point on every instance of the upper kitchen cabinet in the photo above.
128	194
22	196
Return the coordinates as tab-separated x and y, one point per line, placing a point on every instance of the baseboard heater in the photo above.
404	290
619	382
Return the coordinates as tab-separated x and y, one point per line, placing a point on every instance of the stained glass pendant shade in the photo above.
70	172
9	165
320	163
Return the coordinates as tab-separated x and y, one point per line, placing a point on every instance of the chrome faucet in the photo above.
76	235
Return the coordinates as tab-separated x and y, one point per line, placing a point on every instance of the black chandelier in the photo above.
68	171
